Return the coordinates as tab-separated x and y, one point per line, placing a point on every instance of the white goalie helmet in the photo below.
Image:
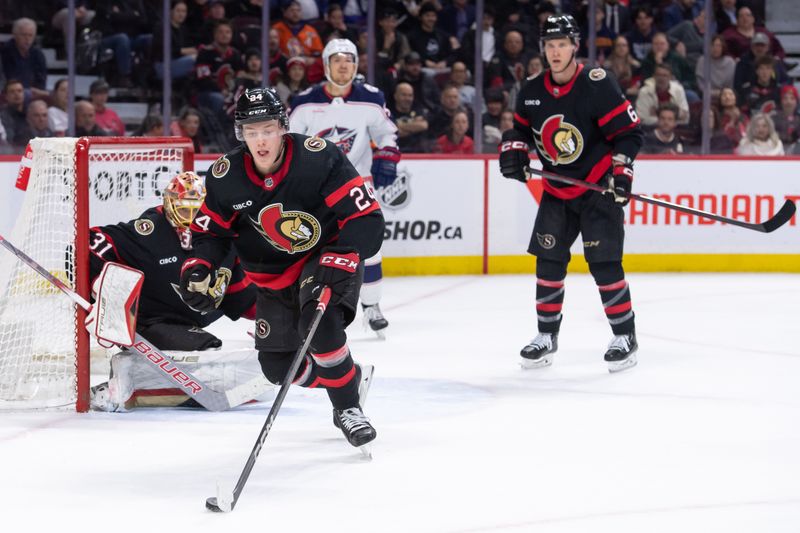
339	46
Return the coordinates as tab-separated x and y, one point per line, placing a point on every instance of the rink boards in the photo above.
458	215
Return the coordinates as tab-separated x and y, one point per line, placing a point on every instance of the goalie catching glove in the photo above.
514	158
196	288
337	269
112	318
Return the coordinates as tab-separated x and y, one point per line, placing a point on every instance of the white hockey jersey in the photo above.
352	122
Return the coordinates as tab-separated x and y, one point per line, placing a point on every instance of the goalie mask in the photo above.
339	46
259	105
182	199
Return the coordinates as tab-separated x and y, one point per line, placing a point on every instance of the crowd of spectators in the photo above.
425	54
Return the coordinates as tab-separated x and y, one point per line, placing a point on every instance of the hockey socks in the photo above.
616	299
549	301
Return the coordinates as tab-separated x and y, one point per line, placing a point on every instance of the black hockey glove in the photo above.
620	180
196	277
338	266
514	158
384	166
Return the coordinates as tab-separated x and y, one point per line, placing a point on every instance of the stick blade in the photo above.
222	503
784	215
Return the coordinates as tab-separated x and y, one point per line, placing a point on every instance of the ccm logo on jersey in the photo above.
248	203
344	262
168	260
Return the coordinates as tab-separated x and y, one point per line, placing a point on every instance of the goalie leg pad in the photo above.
180	337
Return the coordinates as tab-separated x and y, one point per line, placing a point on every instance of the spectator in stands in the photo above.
495	104
658	90
215	11
787	118
85	124
250	9
195	18
456	18
761	138
458	77
35	124
104	116
663	139
535	66
277	61
23	60
188	125
83	15
213	61
508	66
297	38
125	29
687	38
763	95
293	82
151	126
12	114
506	120
722	68
738	37
183	50
57	119
432	44
719	143
467	51
450	103
604	40
732	121
392	45
725	15
411	120
661	54
617	17
426	93
335	26
624	67
640	38
455	140
250	76
744	74
679	11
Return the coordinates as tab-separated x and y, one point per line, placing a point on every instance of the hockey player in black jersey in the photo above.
581	126
299	217
157	243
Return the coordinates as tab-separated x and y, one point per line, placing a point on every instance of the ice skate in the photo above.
364	376
374	319
112	395
356	428
621	353
539	352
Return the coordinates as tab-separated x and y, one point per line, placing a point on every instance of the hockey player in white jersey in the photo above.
355	117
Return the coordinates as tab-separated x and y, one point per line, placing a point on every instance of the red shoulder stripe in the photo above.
621	108
374	207
622	130
217	218
522	120
334	197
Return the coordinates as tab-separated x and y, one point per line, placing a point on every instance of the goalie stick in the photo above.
170	370
784	214
225	502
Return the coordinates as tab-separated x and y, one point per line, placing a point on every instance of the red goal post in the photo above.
74	183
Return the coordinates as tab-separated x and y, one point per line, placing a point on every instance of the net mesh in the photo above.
38	335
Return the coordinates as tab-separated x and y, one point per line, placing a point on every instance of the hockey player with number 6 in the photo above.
299	217
582	127
353	116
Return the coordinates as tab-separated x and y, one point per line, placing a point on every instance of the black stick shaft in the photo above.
784	214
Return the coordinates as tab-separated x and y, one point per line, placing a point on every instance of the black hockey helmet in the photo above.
558	27
259	105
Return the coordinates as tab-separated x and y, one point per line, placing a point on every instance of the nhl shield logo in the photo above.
558	141
398	194
287	231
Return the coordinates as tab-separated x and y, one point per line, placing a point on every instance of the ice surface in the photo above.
704	435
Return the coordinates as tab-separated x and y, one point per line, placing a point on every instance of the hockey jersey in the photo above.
151	245
278	221
578	126
352	122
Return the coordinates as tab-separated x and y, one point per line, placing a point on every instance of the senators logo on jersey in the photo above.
287	231
341	137
558	141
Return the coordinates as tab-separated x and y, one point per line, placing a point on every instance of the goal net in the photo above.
73	184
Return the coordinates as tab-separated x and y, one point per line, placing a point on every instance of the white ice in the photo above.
702	436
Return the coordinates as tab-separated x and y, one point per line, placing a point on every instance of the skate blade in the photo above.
529	364
619	366
380	333
366	452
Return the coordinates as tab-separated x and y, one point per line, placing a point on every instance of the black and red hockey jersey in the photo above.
150	244
577	126
276	222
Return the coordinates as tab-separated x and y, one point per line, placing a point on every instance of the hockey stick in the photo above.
224	503
784	214
169	369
